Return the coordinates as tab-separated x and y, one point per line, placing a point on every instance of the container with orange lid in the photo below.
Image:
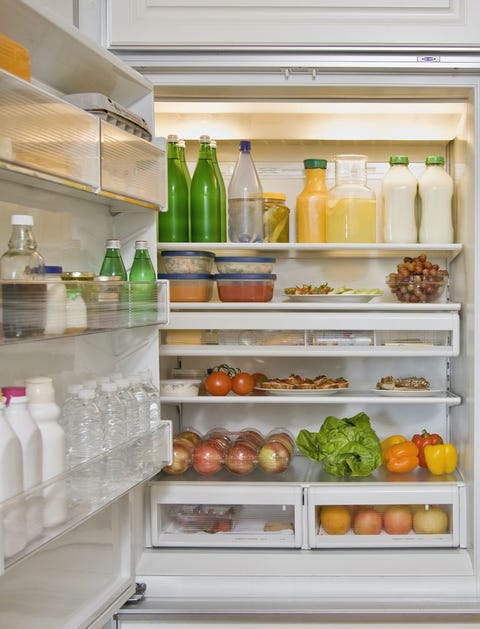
14	58
276	217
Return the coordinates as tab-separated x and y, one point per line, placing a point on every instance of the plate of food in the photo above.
324	293
298	385
399	387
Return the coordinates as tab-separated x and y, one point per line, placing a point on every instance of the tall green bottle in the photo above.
173	224
143	287
112	262
223	192
205	197
188	178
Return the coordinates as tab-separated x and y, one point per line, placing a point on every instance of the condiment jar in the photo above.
351	212
276	217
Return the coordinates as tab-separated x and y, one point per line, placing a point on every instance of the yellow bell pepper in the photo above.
441	458
391	441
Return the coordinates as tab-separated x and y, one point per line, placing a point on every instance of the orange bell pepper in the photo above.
390	441
401	457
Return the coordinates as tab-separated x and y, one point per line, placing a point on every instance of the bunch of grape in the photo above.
417	280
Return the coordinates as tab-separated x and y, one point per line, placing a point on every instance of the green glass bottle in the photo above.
205	197
143	287
223	192
173	224
188	178
112	262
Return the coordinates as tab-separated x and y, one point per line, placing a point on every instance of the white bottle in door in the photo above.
46	412
11	484
28	433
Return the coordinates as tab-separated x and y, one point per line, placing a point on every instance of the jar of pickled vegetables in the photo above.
276	217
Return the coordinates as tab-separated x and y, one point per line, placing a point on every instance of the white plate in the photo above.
300	392
406	392
346	298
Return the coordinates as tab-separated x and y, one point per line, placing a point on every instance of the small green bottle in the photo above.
205	197
143	287
223	192
173	224
112	262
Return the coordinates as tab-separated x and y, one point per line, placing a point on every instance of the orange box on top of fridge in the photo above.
14	58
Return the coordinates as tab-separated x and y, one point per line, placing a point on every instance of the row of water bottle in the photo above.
98	415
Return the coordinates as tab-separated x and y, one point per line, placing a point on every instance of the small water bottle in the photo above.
68	414
131	406
113	415
143	401
153	396
245	200
87	436
28	433
112	262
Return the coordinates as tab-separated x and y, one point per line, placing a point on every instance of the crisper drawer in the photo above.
385	516
258	516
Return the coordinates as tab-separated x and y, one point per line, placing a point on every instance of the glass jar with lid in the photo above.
351	215
276	217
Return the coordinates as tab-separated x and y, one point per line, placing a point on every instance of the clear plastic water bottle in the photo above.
245	200
143	401
87	436
153	396
131	407
113	415
68	414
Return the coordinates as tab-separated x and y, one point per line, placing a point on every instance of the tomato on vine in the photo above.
218	383
243	383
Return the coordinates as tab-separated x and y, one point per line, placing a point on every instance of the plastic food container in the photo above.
179	388
189	286
187	261
244	264
246	287
187	374
416	288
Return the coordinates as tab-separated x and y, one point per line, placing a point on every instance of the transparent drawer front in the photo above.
131	166
54	308
424	518
255	516
68	150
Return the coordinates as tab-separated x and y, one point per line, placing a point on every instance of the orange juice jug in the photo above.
351	214
311	203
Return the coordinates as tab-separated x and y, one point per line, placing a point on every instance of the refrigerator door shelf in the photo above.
84	490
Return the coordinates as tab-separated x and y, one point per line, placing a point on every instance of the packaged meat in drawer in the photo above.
386	516
251	515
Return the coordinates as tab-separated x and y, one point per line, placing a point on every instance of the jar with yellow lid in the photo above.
276	217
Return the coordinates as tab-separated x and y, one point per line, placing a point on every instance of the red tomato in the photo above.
243	383
218	383
259	377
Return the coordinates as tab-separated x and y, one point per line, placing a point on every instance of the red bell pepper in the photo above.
422	440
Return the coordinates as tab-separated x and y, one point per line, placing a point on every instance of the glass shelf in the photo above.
83	490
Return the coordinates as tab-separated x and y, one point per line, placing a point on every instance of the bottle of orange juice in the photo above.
351	214
311	203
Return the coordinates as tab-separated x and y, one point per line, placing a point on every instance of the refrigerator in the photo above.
123	539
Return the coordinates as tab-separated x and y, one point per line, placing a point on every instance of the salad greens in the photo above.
346	447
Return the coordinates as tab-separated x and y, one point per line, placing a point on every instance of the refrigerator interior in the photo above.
381	116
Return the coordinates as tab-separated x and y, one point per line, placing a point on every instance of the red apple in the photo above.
181	457
430	520
207	457
222	525
191	435
367	522
221	435
284	438
253	436
397	520
241	457
274	457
